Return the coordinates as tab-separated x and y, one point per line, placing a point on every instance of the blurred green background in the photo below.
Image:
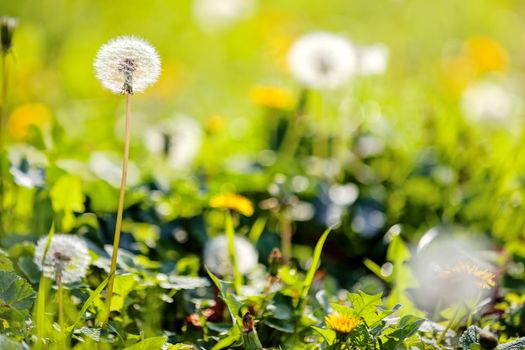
435	165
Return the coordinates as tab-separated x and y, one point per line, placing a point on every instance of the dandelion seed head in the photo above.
67	255
322	60
127	64
217	258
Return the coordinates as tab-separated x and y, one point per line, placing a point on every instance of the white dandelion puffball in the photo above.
372	60
127	64
487	101
322	60
217	15
178	140
217	257
67	255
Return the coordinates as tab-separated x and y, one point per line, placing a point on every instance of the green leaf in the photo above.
469	338
15	293
233	335
154	343
328	334
517	344
5	263
95	294
313	268
234	305
366	306
123	286
67	198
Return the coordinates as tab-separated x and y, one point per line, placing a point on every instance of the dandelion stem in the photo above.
449	324
294	130
3	101
61	322
118	226
286	237
230	234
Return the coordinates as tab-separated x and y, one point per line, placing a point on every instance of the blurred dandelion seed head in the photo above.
232	201
341	323
217	258
219	15
446	262
67	255
372	60
322	60
487	101
127	65
178	140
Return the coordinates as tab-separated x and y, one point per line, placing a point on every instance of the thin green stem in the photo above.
61	321
286	238
230	234
449	324
3	101
294	131
120	210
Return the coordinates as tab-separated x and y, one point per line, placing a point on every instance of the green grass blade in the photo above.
230	234
50	235
313	268
95	294
39	314
257	229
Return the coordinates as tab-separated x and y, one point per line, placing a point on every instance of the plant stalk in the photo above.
449	324
3	101
120	210
61	322
230	234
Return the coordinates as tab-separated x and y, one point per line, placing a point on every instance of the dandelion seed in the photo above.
322	60
127	65
67	255
217	259
341	323
234	202
26	165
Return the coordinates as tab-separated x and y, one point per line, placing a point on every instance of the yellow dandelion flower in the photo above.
341	323
234	202
487	54
271	97
25	116
214	124
483	278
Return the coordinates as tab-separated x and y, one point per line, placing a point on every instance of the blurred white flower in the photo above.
178	140
108	167
322	60
217	258
67	255
372	60
214	15
127	64
487	101
27	165
445	262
